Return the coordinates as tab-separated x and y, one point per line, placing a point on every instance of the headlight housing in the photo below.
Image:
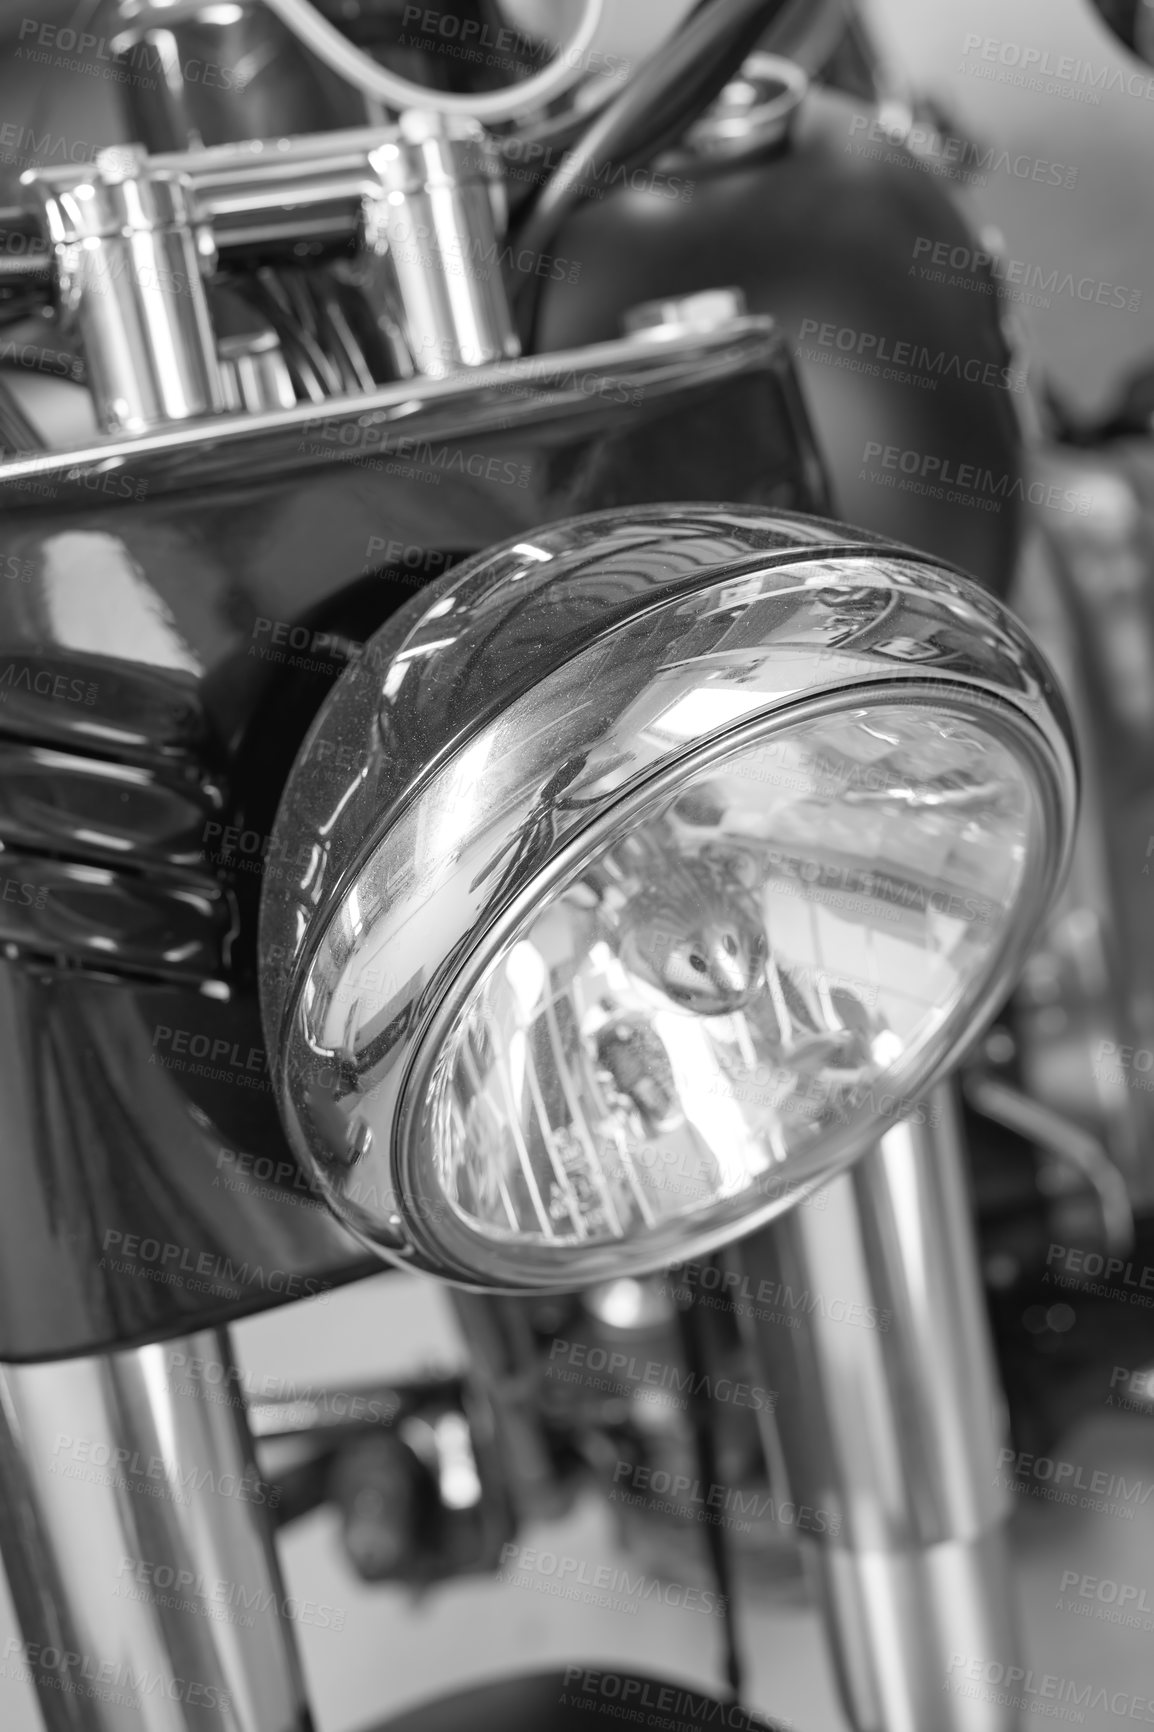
640	873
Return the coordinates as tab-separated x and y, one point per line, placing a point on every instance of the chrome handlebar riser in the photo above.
134	238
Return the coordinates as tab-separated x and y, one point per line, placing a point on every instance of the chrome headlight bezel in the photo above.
555	649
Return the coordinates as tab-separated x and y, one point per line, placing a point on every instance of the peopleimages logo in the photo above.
409	556
910	363
1138	1387
1083	1267
229	1385
650	1376
1025	1688
35	358
481	41
262	1176
923	146
94	480
889	897
659	1705
417	243
418	459
972	268
1128	1066
1028	67
576	1578
44	684
220	1060
1048	1477
1106	1601
169	1264
115	1681
735	1285
159	1584
22	144
935	476
17	570
122	63
692	1500
23	892
99	1463
328	652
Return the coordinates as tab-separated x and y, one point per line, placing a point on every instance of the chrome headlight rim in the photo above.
787	538
810	564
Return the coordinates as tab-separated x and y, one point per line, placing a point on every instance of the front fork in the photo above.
138	1545
887	1429
139	1548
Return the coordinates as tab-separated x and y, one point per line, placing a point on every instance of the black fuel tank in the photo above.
856	247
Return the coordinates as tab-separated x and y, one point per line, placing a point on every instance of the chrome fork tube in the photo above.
887	1426
138	1547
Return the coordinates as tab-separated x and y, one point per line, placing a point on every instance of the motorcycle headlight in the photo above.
639	874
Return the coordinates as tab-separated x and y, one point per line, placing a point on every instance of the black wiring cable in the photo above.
701	1409
309	368
669	92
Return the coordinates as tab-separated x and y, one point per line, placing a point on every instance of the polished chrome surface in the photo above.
278	179
254	376
462	821
755	111
903	1627
708	311
260	191
889	1419
131	255
431	227
403	421
138	1546
76	831
134	235
176	931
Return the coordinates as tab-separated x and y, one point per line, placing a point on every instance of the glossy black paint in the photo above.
835	236
161	658
577	1699
1127	20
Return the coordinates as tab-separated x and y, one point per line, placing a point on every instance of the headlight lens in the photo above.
609	969
755	961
